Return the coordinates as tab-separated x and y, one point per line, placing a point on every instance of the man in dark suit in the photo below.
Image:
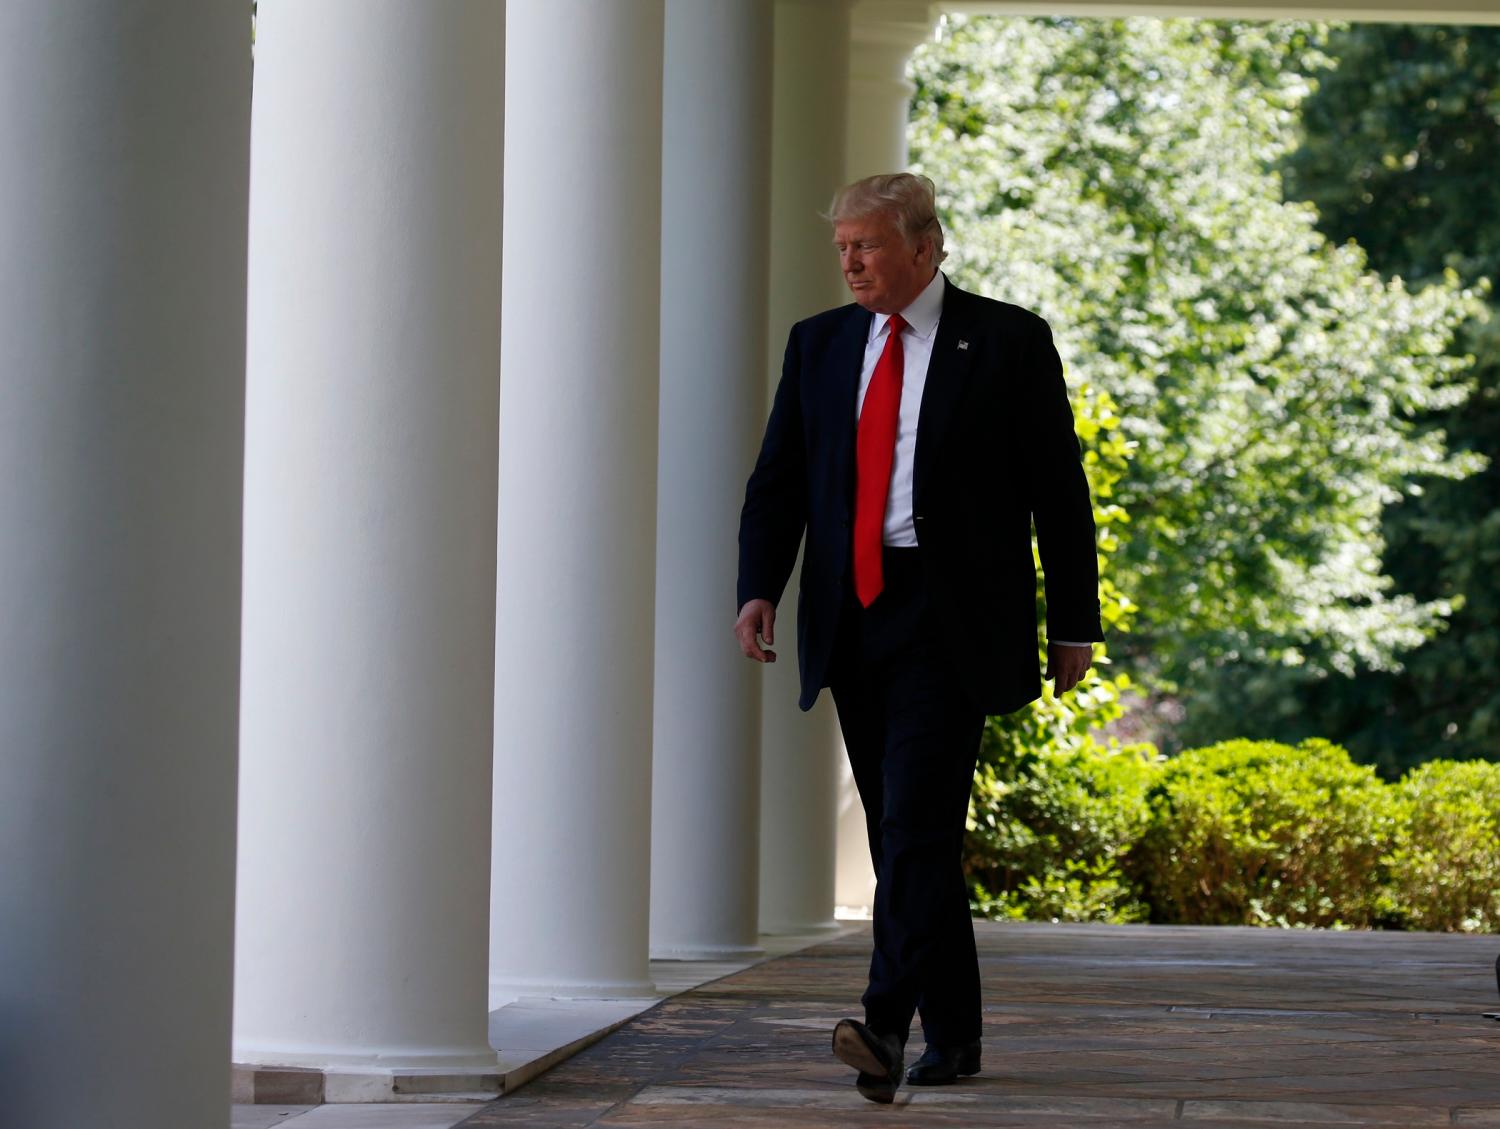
916	435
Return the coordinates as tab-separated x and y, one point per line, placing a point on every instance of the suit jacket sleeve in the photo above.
775	511
1060	506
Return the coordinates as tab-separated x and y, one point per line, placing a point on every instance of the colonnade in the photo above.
798	752
370	510
493	733
124	181
881	41
705	763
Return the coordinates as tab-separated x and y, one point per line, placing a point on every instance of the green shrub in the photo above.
1047	828
1445	868
1240	833
1050	815
1260	833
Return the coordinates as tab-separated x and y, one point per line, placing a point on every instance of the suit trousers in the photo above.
913	740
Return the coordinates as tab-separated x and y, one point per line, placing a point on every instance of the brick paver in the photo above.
1084	1025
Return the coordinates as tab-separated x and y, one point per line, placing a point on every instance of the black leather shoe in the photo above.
942	1066
878	1058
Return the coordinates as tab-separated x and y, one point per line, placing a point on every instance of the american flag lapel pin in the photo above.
963	344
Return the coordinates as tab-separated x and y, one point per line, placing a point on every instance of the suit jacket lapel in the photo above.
846	357
947	374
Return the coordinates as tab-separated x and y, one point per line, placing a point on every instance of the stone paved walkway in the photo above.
1085	1025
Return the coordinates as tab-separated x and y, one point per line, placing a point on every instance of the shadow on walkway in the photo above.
1085	1025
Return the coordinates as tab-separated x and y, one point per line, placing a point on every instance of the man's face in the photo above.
885	273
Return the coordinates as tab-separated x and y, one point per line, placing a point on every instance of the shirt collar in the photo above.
923	313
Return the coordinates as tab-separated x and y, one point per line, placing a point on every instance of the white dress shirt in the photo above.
916	345
921	318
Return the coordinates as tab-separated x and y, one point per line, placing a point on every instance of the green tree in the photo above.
1401	147
1119	177
1400	143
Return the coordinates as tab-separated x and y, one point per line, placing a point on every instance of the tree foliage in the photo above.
1401	147
1400	143
1119	177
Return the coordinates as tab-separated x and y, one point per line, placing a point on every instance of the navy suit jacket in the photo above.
995	451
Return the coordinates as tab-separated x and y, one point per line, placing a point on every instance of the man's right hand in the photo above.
756	630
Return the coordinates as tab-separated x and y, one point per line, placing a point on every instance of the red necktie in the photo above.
875	450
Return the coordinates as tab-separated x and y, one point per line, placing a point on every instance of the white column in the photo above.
123	177
578	424
705	828
885	32
370	500
799	751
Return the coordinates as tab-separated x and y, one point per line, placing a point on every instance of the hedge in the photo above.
1242	833
1047	831
1445	868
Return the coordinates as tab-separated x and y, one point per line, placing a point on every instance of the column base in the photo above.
504	992
708	952
258	1084
799	928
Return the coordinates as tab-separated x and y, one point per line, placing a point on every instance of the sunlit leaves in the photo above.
1122	183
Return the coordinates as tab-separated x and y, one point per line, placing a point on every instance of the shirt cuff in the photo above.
1068	643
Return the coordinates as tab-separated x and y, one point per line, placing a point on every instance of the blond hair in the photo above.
910	198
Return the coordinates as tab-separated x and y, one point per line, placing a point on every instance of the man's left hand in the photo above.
1068	664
